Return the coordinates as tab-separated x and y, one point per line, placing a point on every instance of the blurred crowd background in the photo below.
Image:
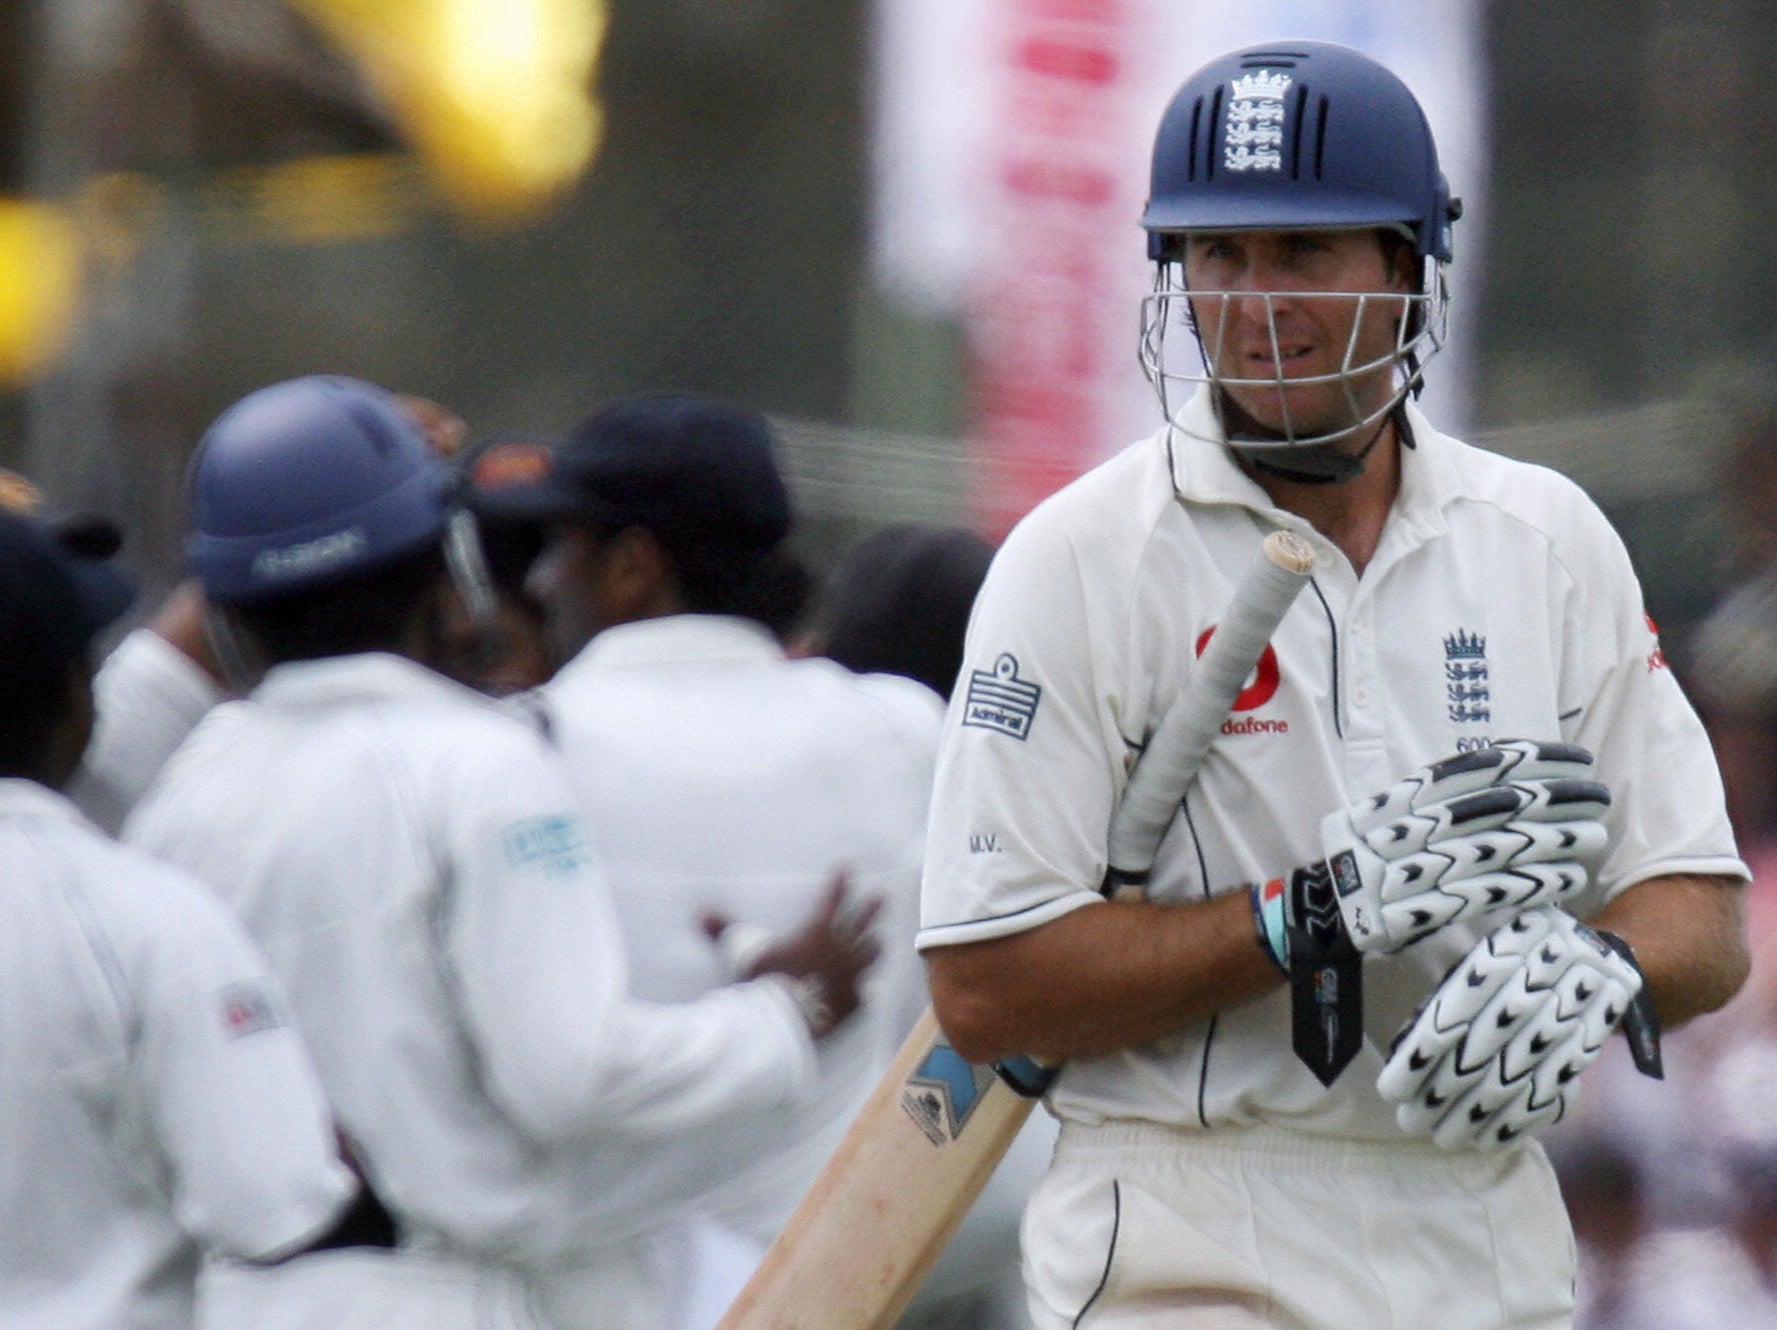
517	208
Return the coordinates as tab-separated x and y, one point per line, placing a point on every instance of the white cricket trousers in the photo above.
361	1288
1141	1227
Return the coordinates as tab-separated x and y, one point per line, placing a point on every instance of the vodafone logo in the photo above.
1261	685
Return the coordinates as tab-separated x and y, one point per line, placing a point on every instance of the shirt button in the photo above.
1360	697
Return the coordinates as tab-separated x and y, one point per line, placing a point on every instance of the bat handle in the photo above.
1027	1076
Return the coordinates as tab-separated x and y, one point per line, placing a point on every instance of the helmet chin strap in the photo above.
1311	464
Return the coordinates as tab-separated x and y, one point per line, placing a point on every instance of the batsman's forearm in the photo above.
1104	977
1689	938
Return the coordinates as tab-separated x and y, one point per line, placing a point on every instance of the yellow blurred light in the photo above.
39	287
317	200
495	95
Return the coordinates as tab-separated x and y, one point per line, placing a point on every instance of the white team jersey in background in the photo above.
412	859
149	695
716	774
155	1101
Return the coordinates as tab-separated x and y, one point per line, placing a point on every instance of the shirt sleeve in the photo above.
149	695
534	943
1668	812
234	1100
1031	760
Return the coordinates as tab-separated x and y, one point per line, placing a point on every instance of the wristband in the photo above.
740	945
1268	921
806	992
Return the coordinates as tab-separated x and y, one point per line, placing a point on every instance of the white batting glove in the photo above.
1494	1052
1504	828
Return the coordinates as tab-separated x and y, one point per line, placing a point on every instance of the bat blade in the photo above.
856	1249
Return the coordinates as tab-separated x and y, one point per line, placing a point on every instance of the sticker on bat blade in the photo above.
943	1091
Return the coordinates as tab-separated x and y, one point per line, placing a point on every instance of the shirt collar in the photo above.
678	639
1205	472
365	677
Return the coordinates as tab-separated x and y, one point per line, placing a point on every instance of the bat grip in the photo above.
1027	1076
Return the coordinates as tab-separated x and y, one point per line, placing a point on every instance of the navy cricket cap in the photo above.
675	463
56	593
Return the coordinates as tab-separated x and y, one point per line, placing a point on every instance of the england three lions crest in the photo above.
1467	689
1252	134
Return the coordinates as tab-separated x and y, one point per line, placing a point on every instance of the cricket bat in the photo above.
867	1232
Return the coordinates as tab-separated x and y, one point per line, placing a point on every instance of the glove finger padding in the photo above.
1493	1053
1464	773
1506	827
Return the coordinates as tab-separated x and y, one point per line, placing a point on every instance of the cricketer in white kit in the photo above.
158	1103
1217	1167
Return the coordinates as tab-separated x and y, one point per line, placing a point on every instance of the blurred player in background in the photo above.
153	686
164	674
1301	1080
157	1102
723	780
502	646
898	601
412	858
1695	1155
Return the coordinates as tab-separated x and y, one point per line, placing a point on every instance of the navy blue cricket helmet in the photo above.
1297	135
1294	136
309	482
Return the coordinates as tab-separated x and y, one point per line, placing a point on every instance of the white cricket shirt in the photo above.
149	695
411	858
717	774
155	1101
1499	604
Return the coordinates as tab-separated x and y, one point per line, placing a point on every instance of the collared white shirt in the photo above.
717	774
1499	604
412	859
155	1101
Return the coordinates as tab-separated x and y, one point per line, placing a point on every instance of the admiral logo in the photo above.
999	700
1252	135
